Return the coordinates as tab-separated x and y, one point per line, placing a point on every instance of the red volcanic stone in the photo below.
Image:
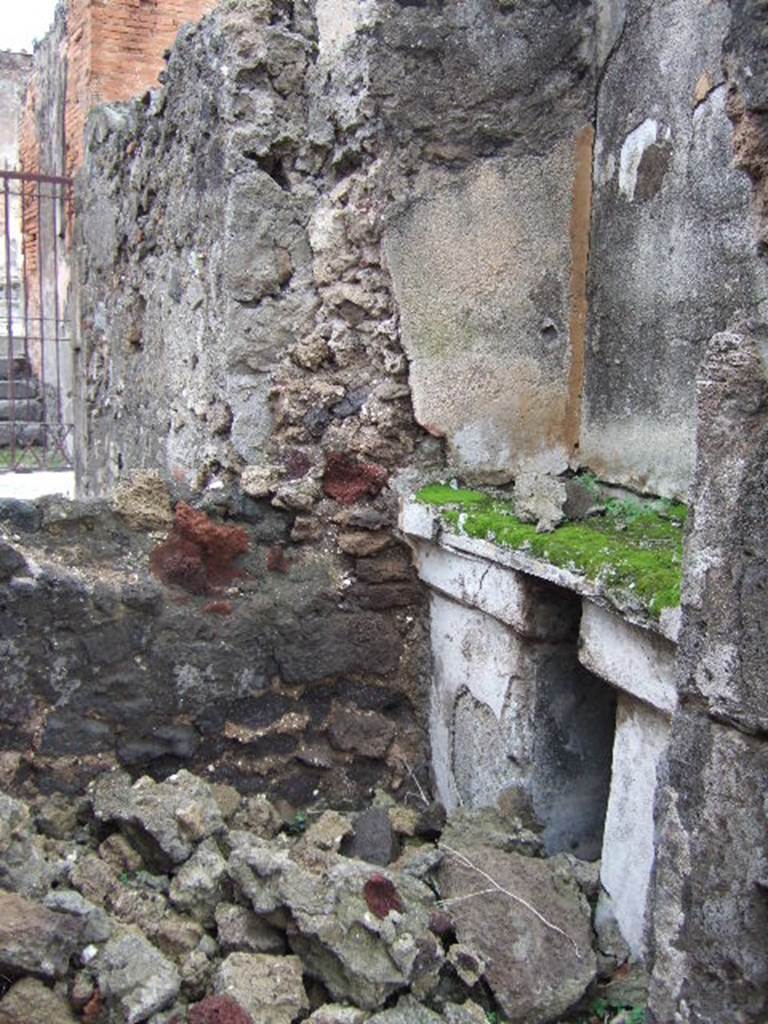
198	553
381	896
180	563
346	480
218	1010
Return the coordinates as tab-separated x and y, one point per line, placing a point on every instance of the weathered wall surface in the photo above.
272	676
673	250
711	913
479	243
416	221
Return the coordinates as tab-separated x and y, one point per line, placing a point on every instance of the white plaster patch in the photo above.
631	658
632	150
337	22
641	740
478	444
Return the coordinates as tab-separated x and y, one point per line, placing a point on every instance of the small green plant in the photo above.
492	1017
298	824
606	1010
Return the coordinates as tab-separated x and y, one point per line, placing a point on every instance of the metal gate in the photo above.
36	382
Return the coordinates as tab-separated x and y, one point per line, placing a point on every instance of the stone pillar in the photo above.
640	663
710	912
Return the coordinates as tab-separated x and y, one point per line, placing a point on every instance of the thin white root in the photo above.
415	781
467	863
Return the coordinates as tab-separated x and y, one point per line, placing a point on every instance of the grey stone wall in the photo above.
673	250
330	213
710	911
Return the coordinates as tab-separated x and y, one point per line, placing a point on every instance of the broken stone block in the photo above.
163	820
373	839
23	867
97	925
269	988
134	977
29	1000
335	1013
539	956
239	930
361	956
198	886
407	1011
464	1013
35	940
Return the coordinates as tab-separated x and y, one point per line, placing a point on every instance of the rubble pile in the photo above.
183	902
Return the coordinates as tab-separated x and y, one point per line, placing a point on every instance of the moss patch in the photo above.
635	551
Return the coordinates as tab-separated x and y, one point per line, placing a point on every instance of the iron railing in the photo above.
36	381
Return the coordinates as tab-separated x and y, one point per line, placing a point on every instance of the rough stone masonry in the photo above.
352	246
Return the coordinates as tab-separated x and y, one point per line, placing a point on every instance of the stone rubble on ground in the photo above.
159	906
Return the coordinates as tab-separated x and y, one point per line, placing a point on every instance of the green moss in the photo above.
442	494
633	550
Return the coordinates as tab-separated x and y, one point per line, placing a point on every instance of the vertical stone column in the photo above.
709	933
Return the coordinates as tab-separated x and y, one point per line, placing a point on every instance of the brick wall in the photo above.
116	52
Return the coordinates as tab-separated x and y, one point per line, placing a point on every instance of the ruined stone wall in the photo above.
501	213
128	641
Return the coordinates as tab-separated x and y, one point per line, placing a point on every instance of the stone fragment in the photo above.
364	732
363	544
163	820
119	854
35	940
539	498
258	481
176	936
269	988
198	886
239	930
134	977
464	1013
407	1011
468	965
97	925
218	1010
255	868
96	879
228	799
535	970
346	480
328	832
29	1001
391	567
373	839
11	561
196	971
335	1013
258	815
23	867
144	501
57	815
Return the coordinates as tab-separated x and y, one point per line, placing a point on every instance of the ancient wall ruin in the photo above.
348	249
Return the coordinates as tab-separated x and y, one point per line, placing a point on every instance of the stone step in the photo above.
25	387
22	433
25	411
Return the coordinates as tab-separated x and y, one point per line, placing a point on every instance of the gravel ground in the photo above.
36	484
